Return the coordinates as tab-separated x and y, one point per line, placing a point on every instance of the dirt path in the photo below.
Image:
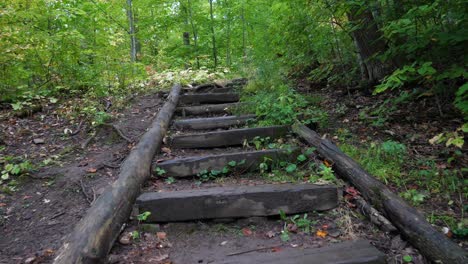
55	196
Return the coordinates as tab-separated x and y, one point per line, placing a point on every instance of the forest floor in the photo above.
67	178
429	176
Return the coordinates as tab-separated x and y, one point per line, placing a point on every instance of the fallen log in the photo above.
237	201
209	98
249	160
228	108
226	138
94	235
213	122
348	252
407	219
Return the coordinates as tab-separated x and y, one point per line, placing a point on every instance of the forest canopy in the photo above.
100	47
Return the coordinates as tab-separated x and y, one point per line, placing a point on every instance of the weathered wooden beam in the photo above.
225	138
209	98
95	233
190	166
407	219
228	108
348	252
212	122
238	201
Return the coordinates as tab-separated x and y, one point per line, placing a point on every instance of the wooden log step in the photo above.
213	122
226	138
237	201
209	98
243	161
348	252
209	109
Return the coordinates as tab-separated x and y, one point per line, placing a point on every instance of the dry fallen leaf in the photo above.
91	170
161	235
327	163
321	233
270	234
159	258
276	249
166	150
246	231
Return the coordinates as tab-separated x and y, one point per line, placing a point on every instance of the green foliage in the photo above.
12	170
159	171
207	175
275	103
413	196
384	160
143	216
170	180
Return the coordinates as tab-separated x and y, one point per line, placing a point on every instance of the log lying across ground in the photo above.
209	98
94	235
348	252
407	219
237	201
213	122
209	109
244	161
226	138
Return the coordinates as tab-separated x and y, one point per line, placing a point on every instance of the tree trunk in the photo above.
195	35
228	34
369	43
213	38
94	235
244	52
131	23
408	220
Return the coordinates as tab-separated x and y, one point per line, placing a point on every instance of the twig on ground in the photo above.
87	141
251	250
120	133
83	190
374	216
78	129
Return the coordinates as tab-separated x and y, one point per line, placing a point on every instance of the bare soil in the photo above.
52	199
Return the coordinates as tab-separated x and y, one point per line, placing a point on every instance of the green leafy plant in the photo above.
143	216
414	196
170	180
159	171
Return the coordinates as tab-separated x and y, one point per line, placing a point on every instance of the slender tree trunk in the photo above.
244	52
194	31
228	35
131	22
213	38
369	43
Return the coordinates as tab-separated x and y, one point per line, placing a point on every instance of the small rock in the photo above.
334	233
126	238
30	260
38	141
223	243
397	243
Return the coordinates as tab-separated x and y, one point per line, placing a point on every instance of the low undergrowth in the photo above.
272	98
418	180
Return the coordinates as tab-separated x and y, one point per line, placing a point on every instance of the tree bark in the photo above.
194	31
369	43
408	220
213	38
94	235
131	23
